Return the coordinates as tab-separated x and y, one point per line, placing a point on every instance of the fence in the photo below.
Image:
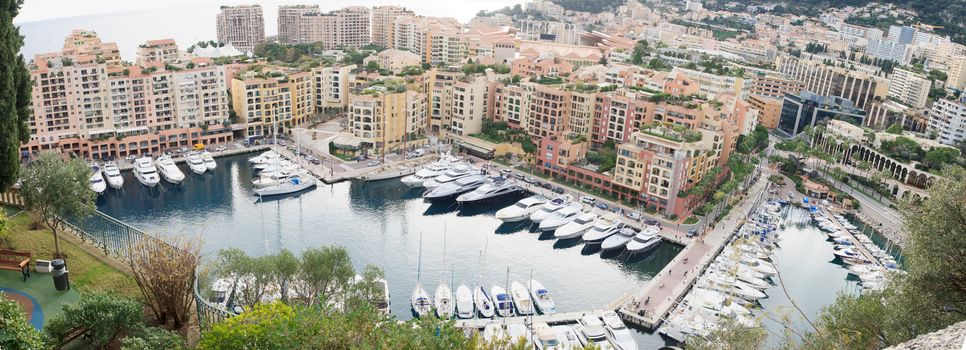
10	197
117	240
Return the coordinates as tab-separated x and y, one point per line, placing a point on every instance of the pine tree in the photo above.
14	94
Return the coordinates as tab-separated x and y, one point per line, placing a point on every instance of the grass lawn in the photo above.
691	220
87	272
343	156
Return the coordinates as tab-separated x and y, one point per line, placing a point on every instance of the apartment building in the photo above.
540	66
552	31
583	106
956	72
911	89
883	114
512	104
440	88
889	50
617	114
273	100
384	117
439	41
86	42
712	85
241	26
383	23
549	112
774	87
769	110
332	88
469	106
290	23
824	80
948	119
344	28
163	50
394	60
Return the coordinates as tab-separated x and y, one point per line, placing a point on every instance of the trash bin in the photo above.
59	272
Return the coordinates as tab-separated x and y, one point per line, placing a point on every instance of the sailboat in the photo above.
421	303
482	301
464	302
444	295
299	180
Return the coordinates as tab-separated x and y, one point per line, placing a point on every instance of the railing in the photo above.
117	239
10	197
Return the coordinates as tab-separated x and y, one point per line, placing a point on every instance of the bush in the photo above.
15	331
105	316
150	338
691	220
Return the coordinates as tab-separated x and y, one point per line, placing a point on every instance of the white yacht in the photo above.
430	172
455	188
383	302
495	188
606	226
548	208
521	210
169	170
97	179
277	165
521	298
296	183
483	303
645	240
389	172
546	338
444	301
583	222
619	240
464	302
502	301
421	302
146	172
265	157
569	337
541	297
209	160
196	164
272	179
560	217
113	175
594	332
456	172
617	332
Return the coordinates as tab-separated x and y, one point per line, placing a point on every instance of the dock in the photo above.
551	319
858	245
125	165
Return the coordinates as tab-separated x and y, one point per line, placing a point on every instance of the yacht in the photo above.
278	165
97	180
464	302
456	172
296	183
494	189
265	157
455	188
546	338
113	175
145	172
605	226
521	299
594	332
169	170
196	164
619	240
209	160
617	332
272	179
521	210
430	172
583	222
483	303
560	217
422	304
444	301
645	240
548	208
541	298
569	337
383	302
502	301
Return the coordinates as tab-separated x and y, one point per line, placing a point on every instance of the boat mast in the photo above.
419	260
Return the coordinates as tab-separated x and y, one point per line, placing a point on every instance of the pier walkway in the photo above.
551	319
858	245
648	306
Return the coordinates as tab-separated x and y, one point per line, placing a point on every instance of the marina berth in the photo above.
551	206
145	172
560	217
196	164
576	228
113	175
169	170
521	210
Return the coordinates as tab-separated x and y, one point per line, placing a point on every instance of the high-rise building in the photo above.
384	117
712	84
800	111
909	88
343	28
469	106
774	87
889	50
549	112
241	26
824	80
948	119
163	50
769	110
956	72
383	23
332	88
273	103
289	22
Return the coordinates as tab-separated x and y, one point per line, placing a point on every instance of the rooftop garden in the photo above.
604	156
500	132
672	132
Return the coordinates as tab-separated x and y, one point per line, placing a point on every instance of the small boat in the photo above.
444	301
422	304
389	172
619	240
271	179
521	298
583	222
594	332
169	170
503	301
296	183
605	226
464	302
518	331
521	210
383	301
560	217
282	165
617	332
97	183
644	241
495	188
455	188
456	172
541	298
551	206
113	175
483	303
265	157
546	338
146	172
196	164
430	172
209	160
569	337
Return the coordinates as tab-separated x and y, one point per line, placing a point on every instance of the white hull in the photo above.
420	301
482	302
392	173
444	302
502	301
541	298
521	298
464	302
303	183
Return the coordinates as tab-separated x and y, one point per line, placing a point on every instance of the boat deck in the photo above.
551	319
857	244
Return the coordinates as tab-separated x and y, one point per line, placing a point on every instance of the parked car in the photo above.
530	180
588	199
634	215
546	185
183	150
373	162
652	222
692	232
601	205
131	158
558	190
519	176
221	148
282	143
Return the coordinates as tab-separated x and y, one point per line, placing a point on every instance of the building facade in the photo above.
241	26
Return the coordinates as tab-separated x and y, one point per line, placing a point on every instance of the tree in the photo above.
730	335
15	88
939	157
323	272
106	318
16	333
54	189
894	129
165	275
372	66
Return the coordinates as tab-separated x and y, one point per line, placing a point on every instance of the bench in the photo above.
15	261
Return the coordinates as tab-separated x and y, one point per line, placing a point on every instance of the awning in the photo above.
347	141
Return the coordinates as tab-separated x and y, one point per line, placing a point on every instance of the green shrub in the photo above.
15	331
104	316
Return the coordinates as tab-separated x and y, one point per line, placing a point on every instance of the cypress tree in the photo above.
14	94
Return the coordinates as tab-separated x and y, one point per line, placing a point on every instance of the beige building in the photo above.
332	88
343	28
163	50
469	106
438	41
909	88
383	23
769	110
241	26
394	60
289	22
956	72
386	116
272	99
86	42
712	84
824	80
